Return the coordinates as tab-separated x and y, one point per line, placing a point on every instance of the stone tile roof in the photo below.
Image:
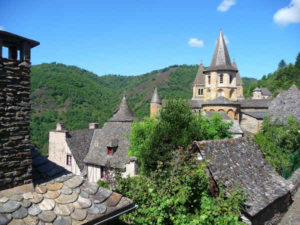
200	76
155	97
255	103
221	59
195	103
264	91
286	103
123	114
220	101
62	199
258	115
240	161
223	114
79	143
103	138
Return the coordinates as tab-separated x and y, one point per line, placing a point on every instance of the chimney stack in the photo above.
93	126
15	153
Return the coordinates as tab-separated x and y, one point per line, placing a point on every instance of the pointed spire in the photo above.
239	80
155	97
221	59
200	77
123	114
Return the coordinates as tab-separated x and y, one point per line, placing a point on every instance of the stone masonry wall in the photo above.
15	155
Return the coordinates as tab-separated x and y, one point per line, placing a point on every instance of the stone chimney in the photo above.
93	126
15	154
60	127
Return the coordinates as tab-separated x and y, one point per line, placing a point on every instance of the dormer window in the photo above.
221	78
110	151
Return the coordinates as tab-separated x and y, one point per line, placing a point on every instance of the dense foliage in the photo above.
281	79
177	193
153	140
281	144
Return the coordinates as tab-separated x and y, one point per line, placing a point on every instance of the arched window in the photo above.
200	91
231	93
208	78
230	78
221	78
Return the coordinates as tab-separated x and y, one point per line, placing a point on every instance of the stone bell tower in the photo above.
15	154
221	77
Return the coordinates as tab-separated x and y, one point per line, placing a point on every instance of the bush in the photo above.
103	183
153	140
179	195
281	144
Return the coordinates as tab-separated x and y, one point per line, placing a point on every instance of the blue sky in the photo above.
131	37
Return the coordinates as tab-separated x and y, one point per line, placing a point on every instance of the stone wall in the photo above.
15	155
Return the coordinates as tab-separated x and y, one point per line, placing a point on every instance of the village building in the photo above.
219	89
261	93
240	164
33	189
109	145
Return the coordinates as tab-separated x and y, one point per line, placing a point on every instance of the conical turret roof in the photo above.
221	59
123	114
155	97
200	77
239	80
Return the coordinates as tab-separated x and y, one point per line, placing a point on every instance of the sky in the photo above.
132	37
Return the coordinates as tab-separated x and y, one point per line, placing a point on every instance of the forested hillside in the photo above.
281	79
77	97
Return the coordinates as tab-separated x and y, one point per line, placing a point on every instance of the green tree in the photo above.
179	195
281	64
281	144
297	63
153	140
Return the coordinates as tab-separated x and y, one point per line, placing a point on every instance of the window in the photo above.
221	78
103	172
69	160
200	91
208	79
230	78
109	151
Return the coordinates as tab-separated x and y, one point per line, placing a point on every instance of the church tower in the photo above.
221	77
199	84
155	104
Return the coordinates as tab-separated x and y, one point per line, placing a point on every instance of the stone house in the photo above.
95	151
219	88
34	190
261	93
239	163
69	148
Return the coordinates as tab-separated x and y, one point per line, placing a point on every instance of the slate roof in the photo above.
200	76
286	103
195	103
79	143
123	113
223	114
60	197
221	59
240	161
239	81
103	138
255	103
258	115
155	97
220	101
264	91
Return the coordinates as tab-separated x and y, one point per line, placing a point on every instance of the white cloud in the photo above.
1	28
194	42
289	14
226	5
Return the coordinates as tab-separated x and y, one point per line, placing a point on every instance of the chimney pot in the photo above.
60	127
93	126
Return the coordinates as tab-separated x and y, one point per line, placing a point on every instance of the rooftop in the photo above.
10	39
